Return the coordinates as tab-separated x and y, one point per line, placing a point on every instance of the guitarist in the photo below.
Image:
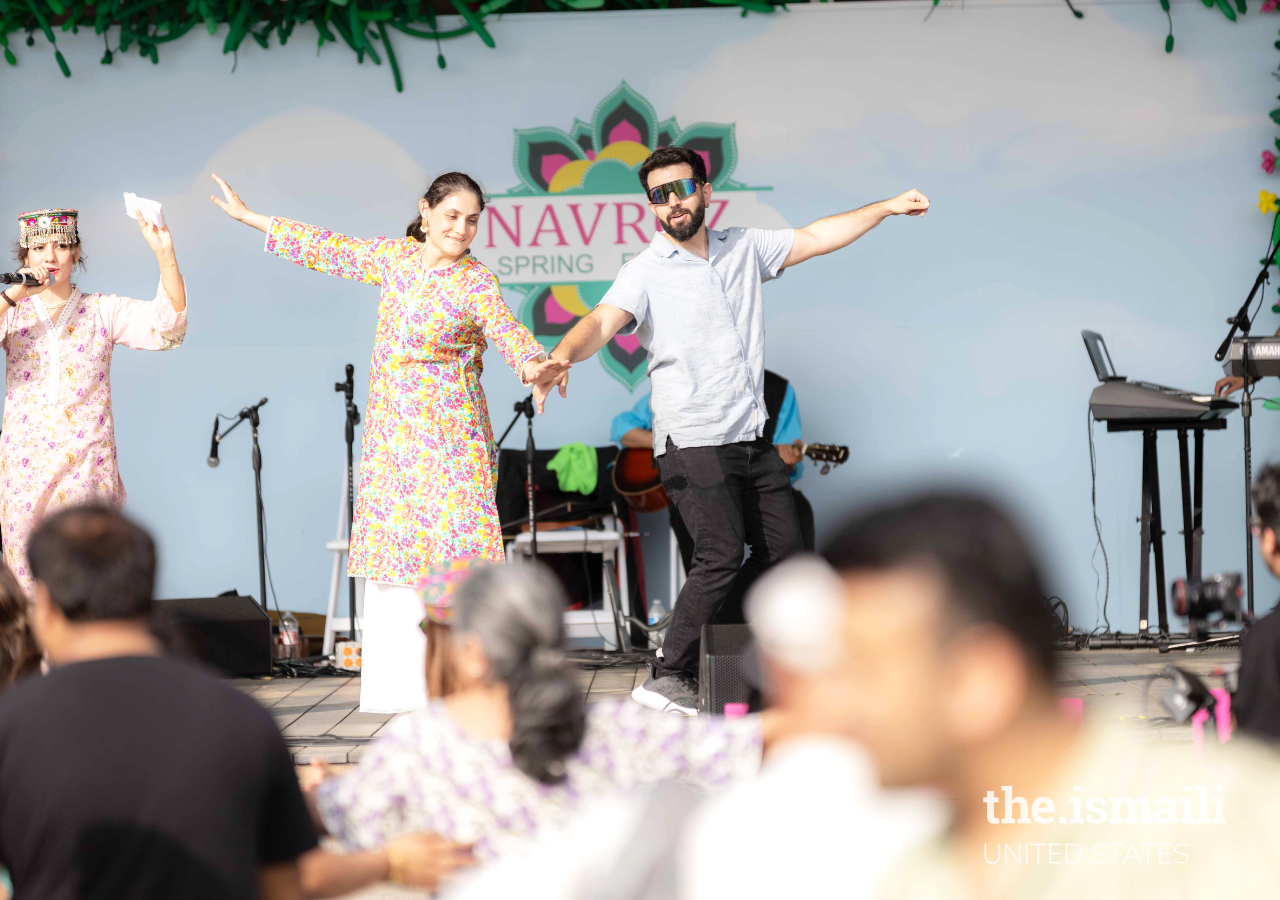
694	298
634	428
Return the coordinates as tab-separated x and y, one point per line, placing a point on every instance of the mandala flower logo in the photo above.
578	214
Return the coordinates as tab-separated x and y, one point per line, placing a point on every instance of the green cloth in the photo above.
577	468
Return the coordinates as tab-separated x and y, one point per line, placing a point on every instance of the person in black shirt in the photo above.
125	772
1256	702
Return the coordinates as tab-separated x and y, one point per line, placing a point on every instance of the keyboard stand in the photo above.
1152	532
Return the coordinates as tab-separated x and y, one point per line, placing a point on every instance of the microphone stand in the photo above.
347	388
251	413
525	408
1242	323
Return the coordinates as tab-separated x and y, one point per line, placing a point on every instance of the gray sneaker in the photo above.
669	693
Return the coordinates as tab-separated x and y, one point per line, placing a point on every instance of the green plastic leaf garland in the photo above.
150	23
360	24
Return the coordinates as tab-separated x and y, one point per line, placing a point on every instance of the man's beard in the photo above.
689	226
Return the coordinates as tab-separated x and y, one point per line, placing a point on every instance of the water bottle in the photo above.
656	612
290	636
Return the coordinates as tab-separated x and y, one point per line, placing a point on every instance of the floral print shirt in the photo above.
424	774
58	443
428	462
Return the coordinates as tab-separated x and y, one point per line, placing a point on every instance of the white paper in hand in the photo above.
151	210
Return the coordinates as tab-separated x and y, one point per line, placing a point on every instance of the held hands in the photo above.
543	376
912	203
425	860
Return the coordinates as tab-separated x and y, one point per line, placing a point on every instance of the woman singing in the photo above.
428	464
59	446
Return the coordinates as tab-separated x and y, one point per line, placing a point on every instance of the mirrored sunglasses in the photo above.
681	187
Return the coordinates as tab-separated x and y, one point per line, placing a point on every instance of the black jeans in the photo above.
804	510
728	496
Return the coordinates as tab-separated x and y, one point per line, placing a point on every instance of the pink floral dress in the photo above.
428	463
58	443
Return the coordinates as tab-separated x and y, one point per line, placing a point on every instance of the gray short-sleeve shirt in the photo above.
702	323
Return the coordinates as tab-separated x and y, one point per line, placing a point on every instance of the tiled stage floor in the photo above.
320	719
319	716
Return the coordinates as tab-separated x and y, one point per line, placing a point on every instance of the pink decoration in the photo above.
555	313
551	164
1268	162
735	710
1072	709
628	342
624	131
1270	5
1222	713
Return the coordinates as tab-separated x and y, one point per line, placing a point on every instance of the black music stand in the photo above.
1152	529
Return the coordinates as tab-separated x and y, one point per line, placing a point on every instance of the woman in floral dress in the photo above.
428	463
58	446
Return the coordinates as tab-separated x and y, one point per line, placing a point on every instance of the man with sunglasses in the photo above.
694	300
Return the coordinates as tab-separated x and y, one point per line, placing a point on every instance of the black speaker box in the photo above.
230	633
727	669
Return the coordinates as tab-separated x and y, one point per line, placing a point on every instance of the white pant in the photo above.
393	675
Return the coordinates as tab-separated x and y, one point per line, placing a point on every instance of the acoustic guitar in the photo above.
636	478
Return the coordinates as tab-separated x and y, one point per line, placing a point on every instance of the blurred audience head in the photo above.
795	615
950	639
1266	510
90	565
19	652
508	629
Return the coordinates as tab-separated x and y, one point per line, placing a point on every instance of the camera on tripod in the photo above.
1216	598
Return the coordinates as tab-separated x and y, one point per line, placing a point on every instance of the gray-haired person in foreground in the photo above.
510	750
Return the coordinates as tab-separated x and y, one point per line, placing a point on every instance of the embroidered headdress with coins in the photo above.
46	224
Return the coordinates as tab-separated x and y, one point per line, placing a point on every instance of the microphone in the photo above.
22	278
213	445
244	413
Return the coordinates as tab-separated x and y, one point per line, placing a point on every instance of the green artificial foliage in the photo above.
363	25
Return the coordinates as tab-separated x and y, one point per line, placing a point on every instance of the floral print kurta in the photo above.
428	463
424	774
58	443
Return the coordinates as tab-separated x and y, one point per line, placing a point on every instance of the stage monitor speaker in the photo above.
727	669
230	633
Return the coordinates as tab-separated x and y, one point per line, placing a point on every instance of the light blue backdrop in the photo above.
1080	178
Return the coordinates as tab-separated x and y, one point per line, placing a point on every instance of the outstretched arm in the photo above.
591	333
837	232
232	205
320	249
